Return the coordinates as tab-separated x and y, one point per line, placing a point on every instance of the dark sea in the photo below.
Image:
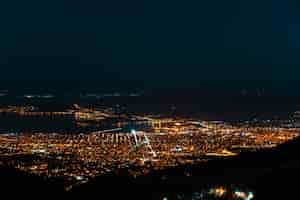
182	105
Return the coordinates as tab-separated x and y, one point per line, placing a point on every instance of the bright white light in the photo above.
133	132
79	178
250	196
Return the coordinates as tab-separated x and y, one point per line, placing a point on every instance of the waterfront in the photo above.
165	143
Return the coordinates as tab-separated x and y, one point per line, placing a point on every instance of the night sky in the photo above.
157	43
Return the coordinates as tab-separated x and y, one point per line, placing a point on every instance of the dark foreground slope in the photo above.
18	184
271	174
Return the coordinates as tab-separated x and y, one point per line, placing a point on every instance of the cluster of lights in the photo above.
238	194
244	195
219	192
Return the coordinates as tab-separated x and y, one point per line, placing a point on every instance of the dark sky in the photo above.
176	43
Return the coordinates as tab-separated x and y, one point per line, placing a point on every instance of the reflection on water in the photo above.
215	192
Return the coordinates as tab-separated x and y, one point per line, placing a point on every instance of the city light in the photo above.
167	143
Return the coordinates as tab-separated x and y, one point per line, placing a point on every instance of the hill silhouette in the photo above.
263	171
271	173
